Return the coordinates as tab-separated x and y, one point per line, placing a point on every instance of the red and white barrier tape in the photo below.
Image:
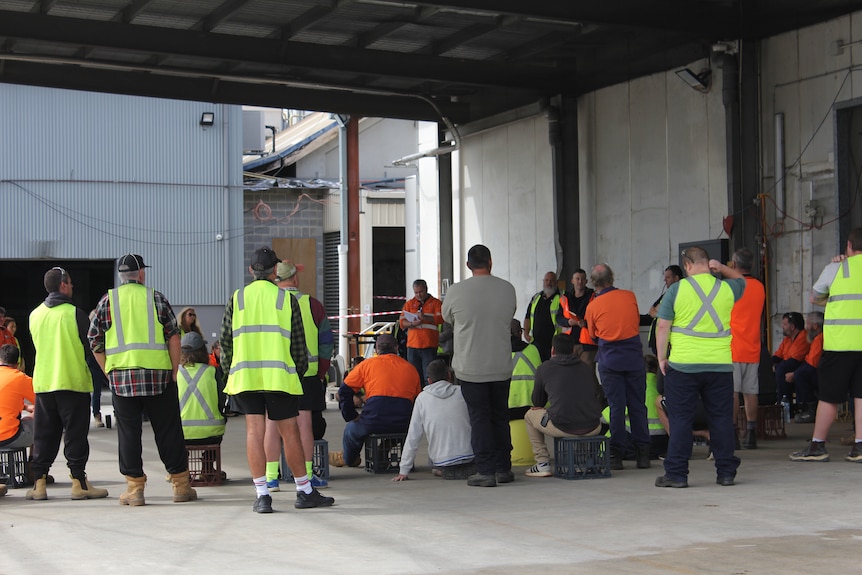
365	314
398	297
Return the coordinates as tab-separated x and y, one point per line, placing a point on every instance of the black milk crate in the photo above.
383	452
13	467
204	465
319	461
581	457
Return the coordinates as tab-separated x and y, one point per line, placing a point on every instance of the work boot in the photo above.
336	459
2	489
182	490
643	460
134	495
86	490
38	493
616	458
750	439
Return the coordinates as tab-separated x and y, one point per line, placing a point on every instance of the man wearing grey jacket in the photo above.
480	310
441	414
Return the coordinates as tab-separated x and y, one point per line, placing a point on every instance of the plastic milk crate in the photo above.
581	457
204	464
13	467
770	422
383	452
319	461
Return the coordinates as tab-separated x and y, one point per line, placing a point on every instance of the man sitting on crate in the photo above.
440	413
391	383
573	397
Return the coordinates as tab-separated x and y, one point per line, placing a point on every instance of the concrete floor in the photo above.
781	516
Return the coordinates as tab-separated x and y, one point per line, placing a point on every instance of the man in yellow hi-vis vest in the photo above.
694	317
264	355
135	338
839	288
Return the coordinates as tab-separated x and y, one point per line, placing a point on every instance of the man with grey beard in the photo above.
540	323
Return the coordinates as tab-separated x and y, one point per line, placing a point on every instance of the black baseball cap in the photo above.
263	259
131	263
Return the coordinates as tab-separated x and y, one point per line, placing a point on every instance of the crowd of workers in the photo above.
577	369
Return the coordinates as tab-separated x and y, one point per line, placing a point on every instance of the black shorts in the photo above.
840	373
313	394
274	404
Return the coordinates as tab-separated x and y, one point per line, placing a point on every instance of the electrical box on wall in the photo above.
717	250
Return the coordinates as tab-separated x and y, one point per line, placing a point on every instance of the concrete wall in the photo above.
652	175
502	196
805	75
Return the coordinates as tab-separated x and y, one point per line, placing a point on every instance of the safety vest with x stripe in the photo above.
199	408
842	327
524	376
700	333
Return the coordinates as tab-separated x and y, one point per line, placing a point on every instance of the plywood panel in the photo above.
301	251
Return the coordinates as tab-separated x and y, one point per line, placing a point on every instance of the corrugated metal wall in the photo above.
92	176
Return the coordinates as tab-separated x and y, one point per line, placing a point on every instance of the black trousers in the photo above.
488	406
59	414
164	413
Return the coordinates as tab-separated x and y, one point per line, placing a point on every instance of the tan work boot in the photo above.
336	459
182	490
134	495
86	490
38	492
2	489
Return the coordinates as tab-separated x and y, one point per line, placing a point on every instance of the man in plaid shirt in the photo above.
135	338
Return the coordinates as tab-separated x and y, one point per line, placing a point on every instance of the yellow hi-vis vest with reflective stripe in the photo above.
842	325
654	423
60	359
199	408
261	341
311	333
524	376
555	306
136	338
700	332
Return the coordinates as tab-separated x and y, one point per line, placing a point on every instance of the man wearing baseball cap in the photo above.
135	338
263	352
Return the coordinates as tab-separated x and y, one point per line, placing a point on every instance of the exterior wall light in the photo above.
207	119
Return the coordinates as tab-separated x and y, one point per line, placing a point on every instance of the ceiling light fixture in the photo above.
700	82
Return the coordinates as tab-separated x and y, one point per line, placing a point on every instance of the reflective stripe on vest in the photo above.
261	345
699	333
705	308
311	332
555	306
60	358
653	422
200	414
523	376
136	339
842	326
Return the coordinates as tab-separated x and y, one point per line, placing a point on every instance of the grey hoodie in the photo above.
440	413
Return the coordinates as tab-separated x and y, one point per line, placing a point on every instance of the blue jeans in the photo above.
354	440
681	391
488	406
626	389
420	357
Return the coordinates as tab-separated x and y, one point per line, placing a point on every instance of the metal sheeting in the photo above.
93	176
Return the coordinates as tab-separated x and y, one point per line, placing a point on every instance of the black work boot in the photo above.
750	439
616	458
643	460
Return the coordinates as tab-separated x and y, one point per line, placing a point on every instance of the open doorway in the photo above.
387	257
22	290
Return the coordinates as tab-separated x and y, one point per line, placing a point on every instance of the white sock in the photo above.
303	484
260	486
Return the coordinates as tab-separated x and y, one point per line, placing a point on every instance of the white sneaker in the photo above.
540	470
97	419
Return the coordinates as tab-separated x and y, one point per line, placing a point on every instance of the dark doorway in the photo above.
21	291
848	168
388	263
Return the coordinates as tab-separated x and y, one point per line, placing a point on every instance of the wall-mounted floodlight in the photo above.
699	82
207	119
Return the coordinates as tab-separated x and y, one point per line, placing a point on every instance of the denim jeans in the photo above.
420	358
